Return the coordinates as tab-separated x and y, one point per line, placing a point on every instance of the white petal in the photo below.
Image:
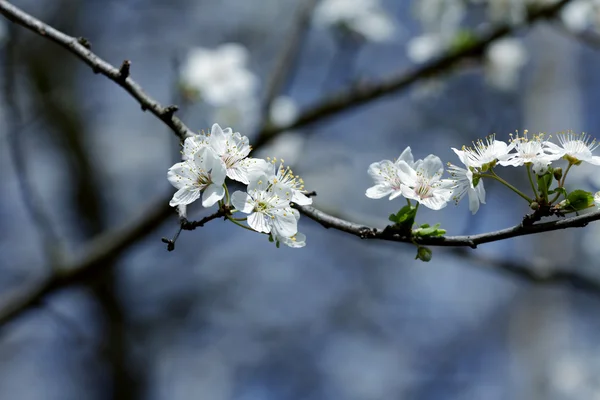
378	191
182	175
212	194
215	164
300	198
218	140
432	165
258	182
260	222
473	201
407	157
184	196
242	201
435	202
285	223
407	174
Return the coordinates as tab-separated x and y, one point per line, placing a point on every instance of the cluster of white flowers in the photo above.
210	158
365	18
421	180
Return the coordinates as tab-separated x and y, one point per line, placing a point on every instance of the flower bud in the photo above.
535	205
558	173
423	254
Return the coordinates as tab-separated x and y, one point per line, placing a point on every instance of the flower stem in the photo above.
238	224
508	185
535	193
227	198
562	182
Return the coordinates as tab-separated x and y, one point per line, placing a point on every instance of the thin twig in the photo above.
285	70
81	49
365	92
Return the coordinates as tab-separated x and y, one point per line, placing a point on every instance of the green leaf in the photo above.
578	200
423	254
405	217
429	231
560	190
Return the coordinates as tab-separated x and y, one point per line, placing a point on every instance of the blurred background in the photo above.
227	315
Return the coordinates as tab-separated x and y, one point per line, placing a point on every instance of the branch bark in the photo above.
355	97
80	47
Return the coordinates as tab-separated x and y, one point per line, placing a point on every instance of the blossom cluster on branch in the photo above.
421	181
208	159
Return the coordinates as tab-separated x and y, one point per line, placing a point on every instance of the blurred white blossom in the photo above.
504	60
580	15
366	18
283	111
220	76
423	48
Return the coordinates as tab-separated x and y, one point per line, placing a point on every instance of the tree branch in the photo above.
367	232
81	49
364	93
100	250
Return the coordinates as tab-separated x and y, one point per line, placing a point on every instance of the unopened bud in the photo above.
423	254
535	205
558	173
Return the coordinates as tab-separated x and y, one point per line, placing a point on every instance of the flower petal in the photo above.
259	222
184	196
212	194
242	201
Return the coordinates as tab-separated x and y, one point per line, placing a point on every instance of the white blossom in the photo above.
203	174
364	17
268	206
575	147
232	147
386	175
504	60
463	184
423	182
220	75
296	241
597	199
423	48
280	174
283	111
578	15
530	152
484	152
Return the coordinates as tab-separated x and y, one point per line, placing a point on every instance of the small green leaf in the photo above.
578	200
405	217
560	190
423	254
429	231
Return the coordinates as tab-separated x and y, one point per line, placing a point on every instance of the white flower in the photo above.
578	14
423	48
530	152
463	184
363	17
220	75
203	174
484	152
385	173
268	206
576	148
597	199
296	241
232	147
283	111
285	176
423	183
504	60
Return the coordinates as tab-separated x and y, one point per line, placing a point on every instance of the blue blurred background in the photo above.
229	316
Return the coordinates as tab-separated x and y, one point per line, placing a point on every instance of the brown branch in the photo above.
364	93
389	234
81	48
85	270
